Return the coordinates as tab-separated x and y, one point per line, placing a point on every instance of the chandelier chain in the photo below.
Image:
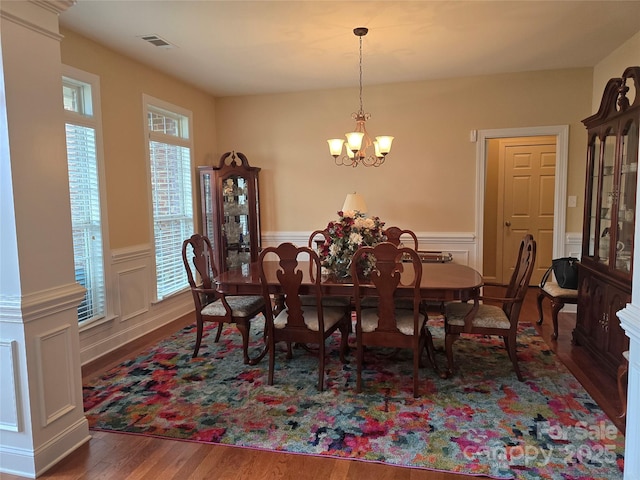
361	107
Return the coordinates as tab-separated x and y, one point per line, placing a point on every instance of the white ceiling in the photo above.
251	47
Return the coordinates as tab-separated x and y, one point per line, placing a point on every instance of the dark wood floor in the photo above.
128	457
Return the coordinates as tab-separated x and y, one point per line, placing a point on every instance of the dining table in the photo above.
441	282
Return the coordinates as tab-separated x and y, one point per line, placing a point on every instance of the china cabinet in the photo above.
231	210
606	266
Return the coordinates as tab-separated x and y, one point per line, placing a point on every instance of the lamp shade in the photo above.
384	143
335	146
354	140
354	202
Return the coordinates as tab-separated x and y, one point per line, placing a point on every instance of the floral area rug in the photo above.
482	421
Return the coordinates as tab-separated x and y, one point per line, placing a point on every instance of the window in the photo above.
80	99
170	148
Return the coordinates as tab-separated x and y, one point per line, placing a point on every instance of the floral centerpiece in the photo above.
350	231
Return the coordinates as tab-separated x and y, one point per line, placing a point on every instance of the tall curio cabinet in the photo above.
231	211
606	266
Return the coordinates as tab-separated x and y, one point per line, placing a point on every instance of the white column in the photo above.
630	321
41	413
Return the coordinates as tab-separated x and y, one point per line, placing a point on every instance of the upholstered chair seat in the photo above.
404	320
332	315
241	306
488	316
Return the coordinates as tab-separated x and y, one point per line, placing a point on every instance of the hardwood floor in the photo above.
130	457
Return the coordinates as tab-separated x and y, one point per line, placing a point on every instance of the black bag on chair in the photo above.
565	270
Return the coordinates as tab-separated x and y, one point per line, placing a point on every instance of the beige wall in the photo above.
122	84
427	183
628	54
428	180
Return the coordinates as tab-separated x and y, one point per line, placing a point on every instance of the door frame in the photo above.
561	132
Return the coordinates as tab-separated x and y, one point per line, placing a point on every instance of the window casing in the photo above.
170	172
83	129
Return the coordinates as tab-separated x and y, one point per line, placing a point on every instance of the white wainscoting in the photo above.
41	371
573	245
10	416
56	373
134	313
461	245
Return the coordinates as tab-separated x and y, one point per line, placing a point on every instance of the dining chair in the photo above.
492	319
298	323
559	297
395	235
388	324
213	306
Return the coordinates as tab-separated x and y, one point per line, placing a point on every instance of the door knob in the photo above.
507	223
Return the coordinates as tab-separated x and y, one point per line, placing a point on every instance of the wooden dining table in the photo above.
441	282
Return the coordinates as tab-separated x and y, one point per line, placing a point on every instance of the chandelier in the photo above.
358	141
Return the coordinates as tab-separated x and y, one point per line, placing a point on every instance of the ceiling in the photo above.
254	47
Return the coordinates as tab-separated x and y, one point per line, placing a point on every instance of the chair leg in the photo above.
622	391
220	325
344	341
321	354
431	349
243	328
359	361
510	344
540	311
449	339
417	353
271	346
258	358
556	306
198	337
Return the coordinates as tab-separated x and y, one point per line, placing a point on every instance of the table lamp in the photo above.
354	202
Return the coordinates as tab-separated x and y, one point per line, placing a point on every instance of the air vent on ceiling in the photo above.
157	41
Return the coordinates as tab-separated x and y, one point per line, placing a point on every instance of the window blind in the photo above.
85	219
172	199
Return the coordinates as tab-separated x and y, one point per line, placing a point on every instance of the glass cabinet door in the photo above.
627	197
608	195
594	213
236	227
207	207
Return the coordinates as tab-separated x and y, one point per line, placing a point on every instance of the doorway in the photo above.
519	199
551	241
